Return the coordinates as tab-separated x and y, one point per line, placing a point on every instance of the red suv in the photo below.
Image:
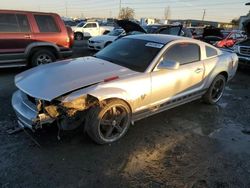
32	38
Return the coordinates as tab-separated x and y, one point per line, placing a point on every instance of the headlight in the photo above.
77	104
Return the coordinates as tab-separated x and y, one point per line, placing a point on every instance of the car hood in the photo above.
50	81
129	26
103	38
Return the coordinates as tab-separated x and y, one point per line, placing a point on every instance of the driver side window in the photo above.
183	53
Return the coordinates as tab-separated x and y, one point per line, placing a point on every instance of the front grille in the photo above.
245	51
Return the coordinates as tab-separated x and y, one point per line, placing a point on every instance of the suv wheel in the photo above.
78	36
216	90
42	57
109	123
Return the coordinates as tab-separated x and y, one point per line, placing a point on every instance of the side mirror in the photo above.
168	64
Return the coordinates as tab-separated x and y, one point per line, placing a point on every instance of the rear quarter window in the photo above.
211	52
46	24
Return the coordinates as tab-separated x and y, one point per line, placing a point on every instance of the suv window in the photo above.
46	24
90	25
23	23
8	23
211	51
183	53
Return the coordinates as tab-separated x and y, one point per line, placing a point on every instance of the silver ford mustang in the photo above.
135	77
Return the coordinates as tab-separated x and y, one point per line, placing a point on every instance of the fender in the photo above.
101	94
109	93
40	44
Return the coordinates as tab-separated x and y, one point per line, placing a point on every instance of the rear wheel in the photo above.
42	57
216	90
109	123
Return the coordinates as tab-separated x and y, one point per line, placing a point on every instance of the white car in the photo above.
90	29
99	42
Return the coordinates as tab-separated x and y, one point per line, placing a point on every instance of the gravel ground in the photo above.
194	145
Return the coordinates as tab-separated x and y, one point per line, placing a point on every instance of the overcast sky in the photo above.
216	10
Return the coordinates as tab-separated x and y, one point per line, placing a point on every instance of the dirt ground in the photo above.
195	145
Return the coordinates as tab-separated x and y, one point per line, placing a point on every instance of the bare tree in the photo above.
235	21
126	13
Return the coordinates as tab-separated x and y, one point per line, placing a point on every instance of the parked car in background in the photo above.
230	38
32	38
243	51
133	78
211	35
177	30
127	27
99	42
197	32
90	29
70	23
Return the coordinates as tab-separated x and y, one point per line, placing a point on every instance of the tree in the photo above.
235	21
126	13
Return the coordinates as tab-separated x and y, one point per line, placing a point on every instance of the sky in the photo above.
215	10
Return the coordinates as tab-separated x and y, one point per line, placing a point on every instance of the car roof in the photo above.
159	38
24	12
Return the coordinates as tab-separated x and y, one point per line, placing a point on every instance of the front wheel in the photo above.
216	90
109	123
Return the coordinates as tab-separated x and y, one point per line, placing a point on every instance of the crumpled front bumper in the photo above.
27	113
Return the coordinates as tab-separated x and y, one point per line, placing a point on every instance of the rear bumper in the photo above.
26	112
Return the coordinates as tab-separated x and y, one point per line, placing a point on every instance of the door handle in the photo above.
198	70
27	36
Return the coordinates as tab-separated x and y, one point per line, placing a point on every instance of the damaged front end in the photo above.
34	113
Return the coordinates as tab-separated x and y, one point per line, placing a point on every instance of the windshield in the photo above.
81	24
134	54
116	32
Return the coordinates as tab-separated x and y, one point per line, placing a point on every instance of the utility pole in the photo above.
204	13
120	6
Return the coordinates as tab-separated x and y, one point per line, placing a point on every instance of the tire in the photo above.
103	127
78	36
216	90
42	56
